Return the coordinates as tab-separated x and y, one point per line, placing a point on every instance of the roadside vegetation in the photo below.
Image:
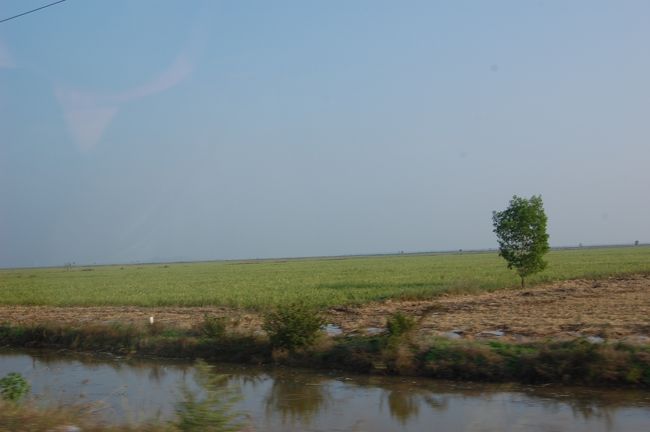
258	285
399	350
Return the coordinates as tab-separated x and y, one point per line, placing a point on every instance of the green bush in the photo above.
400	324
13	387
213	327
293	326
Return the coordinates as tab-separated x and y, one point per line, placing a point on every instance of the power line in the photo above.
33	10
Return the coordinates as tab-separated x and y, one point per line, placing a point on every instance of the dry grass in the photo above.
615	308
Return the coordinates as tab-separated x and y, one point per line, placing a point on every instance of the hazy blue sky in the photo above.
140	130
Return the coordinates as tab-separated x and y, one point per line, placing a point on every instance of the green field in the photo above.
320	282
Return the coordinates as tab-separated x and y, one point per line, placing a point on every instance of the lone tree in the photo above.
522	237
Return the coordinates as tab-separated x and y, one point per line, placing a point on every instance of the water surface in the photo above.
297	400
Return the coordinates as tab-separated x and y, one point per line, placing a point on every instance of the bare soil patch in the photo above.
614	308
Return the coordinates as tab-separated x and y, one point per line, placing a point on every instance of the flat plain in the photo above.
320	282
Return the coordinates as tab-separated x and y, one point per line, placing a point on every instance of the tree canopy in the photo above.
522	237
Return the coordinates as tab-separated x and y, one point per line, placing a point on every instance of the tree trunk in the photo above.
522	282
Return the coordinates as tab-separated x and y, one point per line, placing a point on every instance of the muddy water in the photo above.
291	400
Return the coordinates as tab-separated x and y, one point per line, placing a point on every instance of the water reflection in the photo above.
297	399
286	399
405	402
586	407
211	405
403	405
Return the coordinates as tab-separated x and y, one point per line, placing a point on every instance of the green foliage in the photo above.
317	282
568	361
13	387
213	411
462	360
399	324
573	361
123	339
522	237
293	326
213	327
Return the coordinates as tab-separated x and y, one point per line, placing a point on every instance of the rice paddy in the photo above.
322	282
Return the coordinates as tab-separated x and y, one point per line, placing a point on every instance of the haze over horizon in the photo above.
221	130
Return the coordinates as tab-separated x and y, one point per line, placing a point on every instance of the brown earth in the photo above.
614	308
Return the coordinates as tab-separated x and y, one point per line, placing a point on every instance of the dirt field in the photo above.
615	308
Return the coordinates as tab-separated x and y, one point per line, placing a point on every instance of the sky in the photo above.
171	130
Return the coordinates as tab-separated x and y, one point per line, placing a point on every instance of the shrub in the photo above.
213	327
463	361
13	387
567	361
399	324
293	326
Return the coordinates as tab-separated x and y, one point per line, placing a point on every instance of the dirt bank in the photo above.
615	308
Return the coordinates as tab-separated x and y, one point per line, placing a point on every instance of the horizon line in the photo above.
317	257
